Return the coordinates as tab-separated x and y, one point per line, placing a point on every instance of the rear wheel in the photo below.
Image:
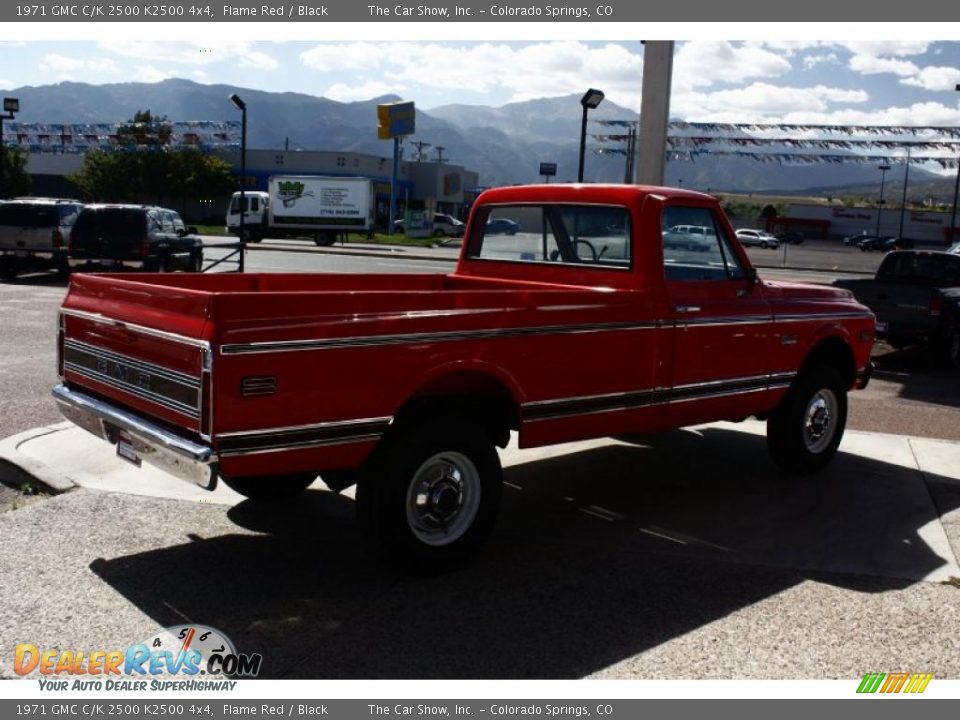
431	495
764	244
804	432
270	488
324	239
196	262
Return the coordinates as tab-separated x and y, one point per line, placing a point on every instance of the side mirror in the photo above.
751	274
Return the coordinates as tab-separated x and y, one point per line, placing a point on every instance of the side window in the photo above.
255	204
154	223
584	235
696	246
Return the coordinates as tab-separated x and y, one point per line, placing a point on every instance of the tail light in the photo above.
145	246
57	238
936	304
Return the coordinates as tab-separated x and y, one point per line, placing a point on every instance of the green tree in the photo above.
14	179
144	168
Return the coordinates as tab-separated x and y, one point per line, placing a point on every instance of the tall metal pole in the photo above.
903	202
393	184
883	176
953	215
583	144
956	189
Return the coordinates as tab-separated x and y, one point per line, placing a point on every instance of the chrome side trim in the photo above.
142	329
255	442
179	456
559	408
428	337
735	320
799	317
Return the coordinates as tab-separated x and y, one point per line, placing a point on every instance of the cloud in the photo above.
258	61
759	101
704	63
871	65
897	48
343	92
150	74
918	114
192	52
549	68
811	61
935	78
64	67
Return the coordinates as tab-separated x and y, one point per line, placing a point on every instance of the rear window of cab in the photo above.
590	236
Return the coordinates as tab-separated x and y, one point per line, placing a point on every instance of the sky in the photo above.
895	82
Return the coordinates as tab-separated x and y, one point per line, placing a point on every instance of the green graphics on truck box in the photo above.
318	203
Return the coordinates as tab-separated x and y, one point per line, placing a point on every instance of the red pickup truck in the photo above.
591	318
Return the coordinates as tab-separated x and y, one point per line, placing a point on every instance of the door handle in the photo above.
687	308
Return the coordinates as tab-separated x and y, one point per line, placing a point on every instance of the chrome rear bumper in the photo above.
178	456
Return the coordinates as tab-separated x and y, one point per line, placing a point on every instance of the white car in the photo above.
762	238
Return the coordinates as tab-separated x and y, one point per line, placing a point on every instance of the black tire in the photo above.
324	239
456	467
270	489
803	433
196	262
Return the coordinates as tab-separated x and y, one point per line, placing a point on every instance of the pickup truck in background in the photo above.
585	323
915	296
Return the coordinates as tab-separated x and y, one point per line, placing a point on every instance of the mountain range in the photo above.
505	145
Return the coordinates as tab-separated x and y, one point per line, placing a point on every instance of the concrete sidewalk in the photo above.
888	506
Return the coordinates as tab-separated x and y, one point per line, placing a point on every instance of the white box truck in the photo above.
304	205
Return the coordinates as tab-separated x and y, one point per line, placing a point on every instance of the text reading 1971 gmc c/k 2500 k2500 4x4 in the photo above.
590	321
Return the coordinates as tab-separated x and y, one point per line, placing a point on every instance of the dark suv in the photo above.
34	234
107	237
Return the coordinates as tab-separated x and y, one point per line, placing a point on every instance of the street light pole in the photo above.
590	100
11	106
956	190
240	105
903	202
883	176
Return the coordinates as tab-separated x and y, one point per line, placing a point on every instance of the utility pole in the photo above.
654	112
440	149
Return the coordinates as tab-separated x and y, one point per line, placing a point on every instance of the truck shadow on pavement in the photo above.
600	554
921	372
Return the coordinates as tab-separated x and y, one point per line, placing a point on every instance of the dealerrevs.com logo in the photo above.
184	657
893	683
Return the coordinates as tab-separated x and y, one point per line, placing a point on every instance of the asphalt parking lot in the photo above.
679	556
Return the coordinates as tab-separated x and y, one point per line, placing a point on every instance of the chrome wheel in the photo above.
443	498
819	423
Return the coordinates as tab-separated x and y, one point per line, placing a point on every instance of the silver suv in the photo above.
35	234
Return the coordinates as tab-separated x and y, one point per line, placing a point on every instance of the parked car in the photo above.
855	240
444	225
35	233
916	298
885	244
109	237
502	226
689	237
954	249
755	238
792	237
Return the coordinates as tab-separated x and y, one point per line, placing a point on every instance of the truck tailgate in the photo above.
143	346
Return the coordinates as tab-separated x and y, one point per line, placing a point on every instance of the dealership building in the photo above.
421	185
822	221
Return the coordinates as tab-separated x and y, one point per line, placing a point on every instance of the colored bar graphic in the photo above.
870	683
913	683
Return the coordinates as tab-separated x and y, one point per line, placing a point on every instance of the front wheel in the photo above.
804	432
431	495
270	489
324	239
